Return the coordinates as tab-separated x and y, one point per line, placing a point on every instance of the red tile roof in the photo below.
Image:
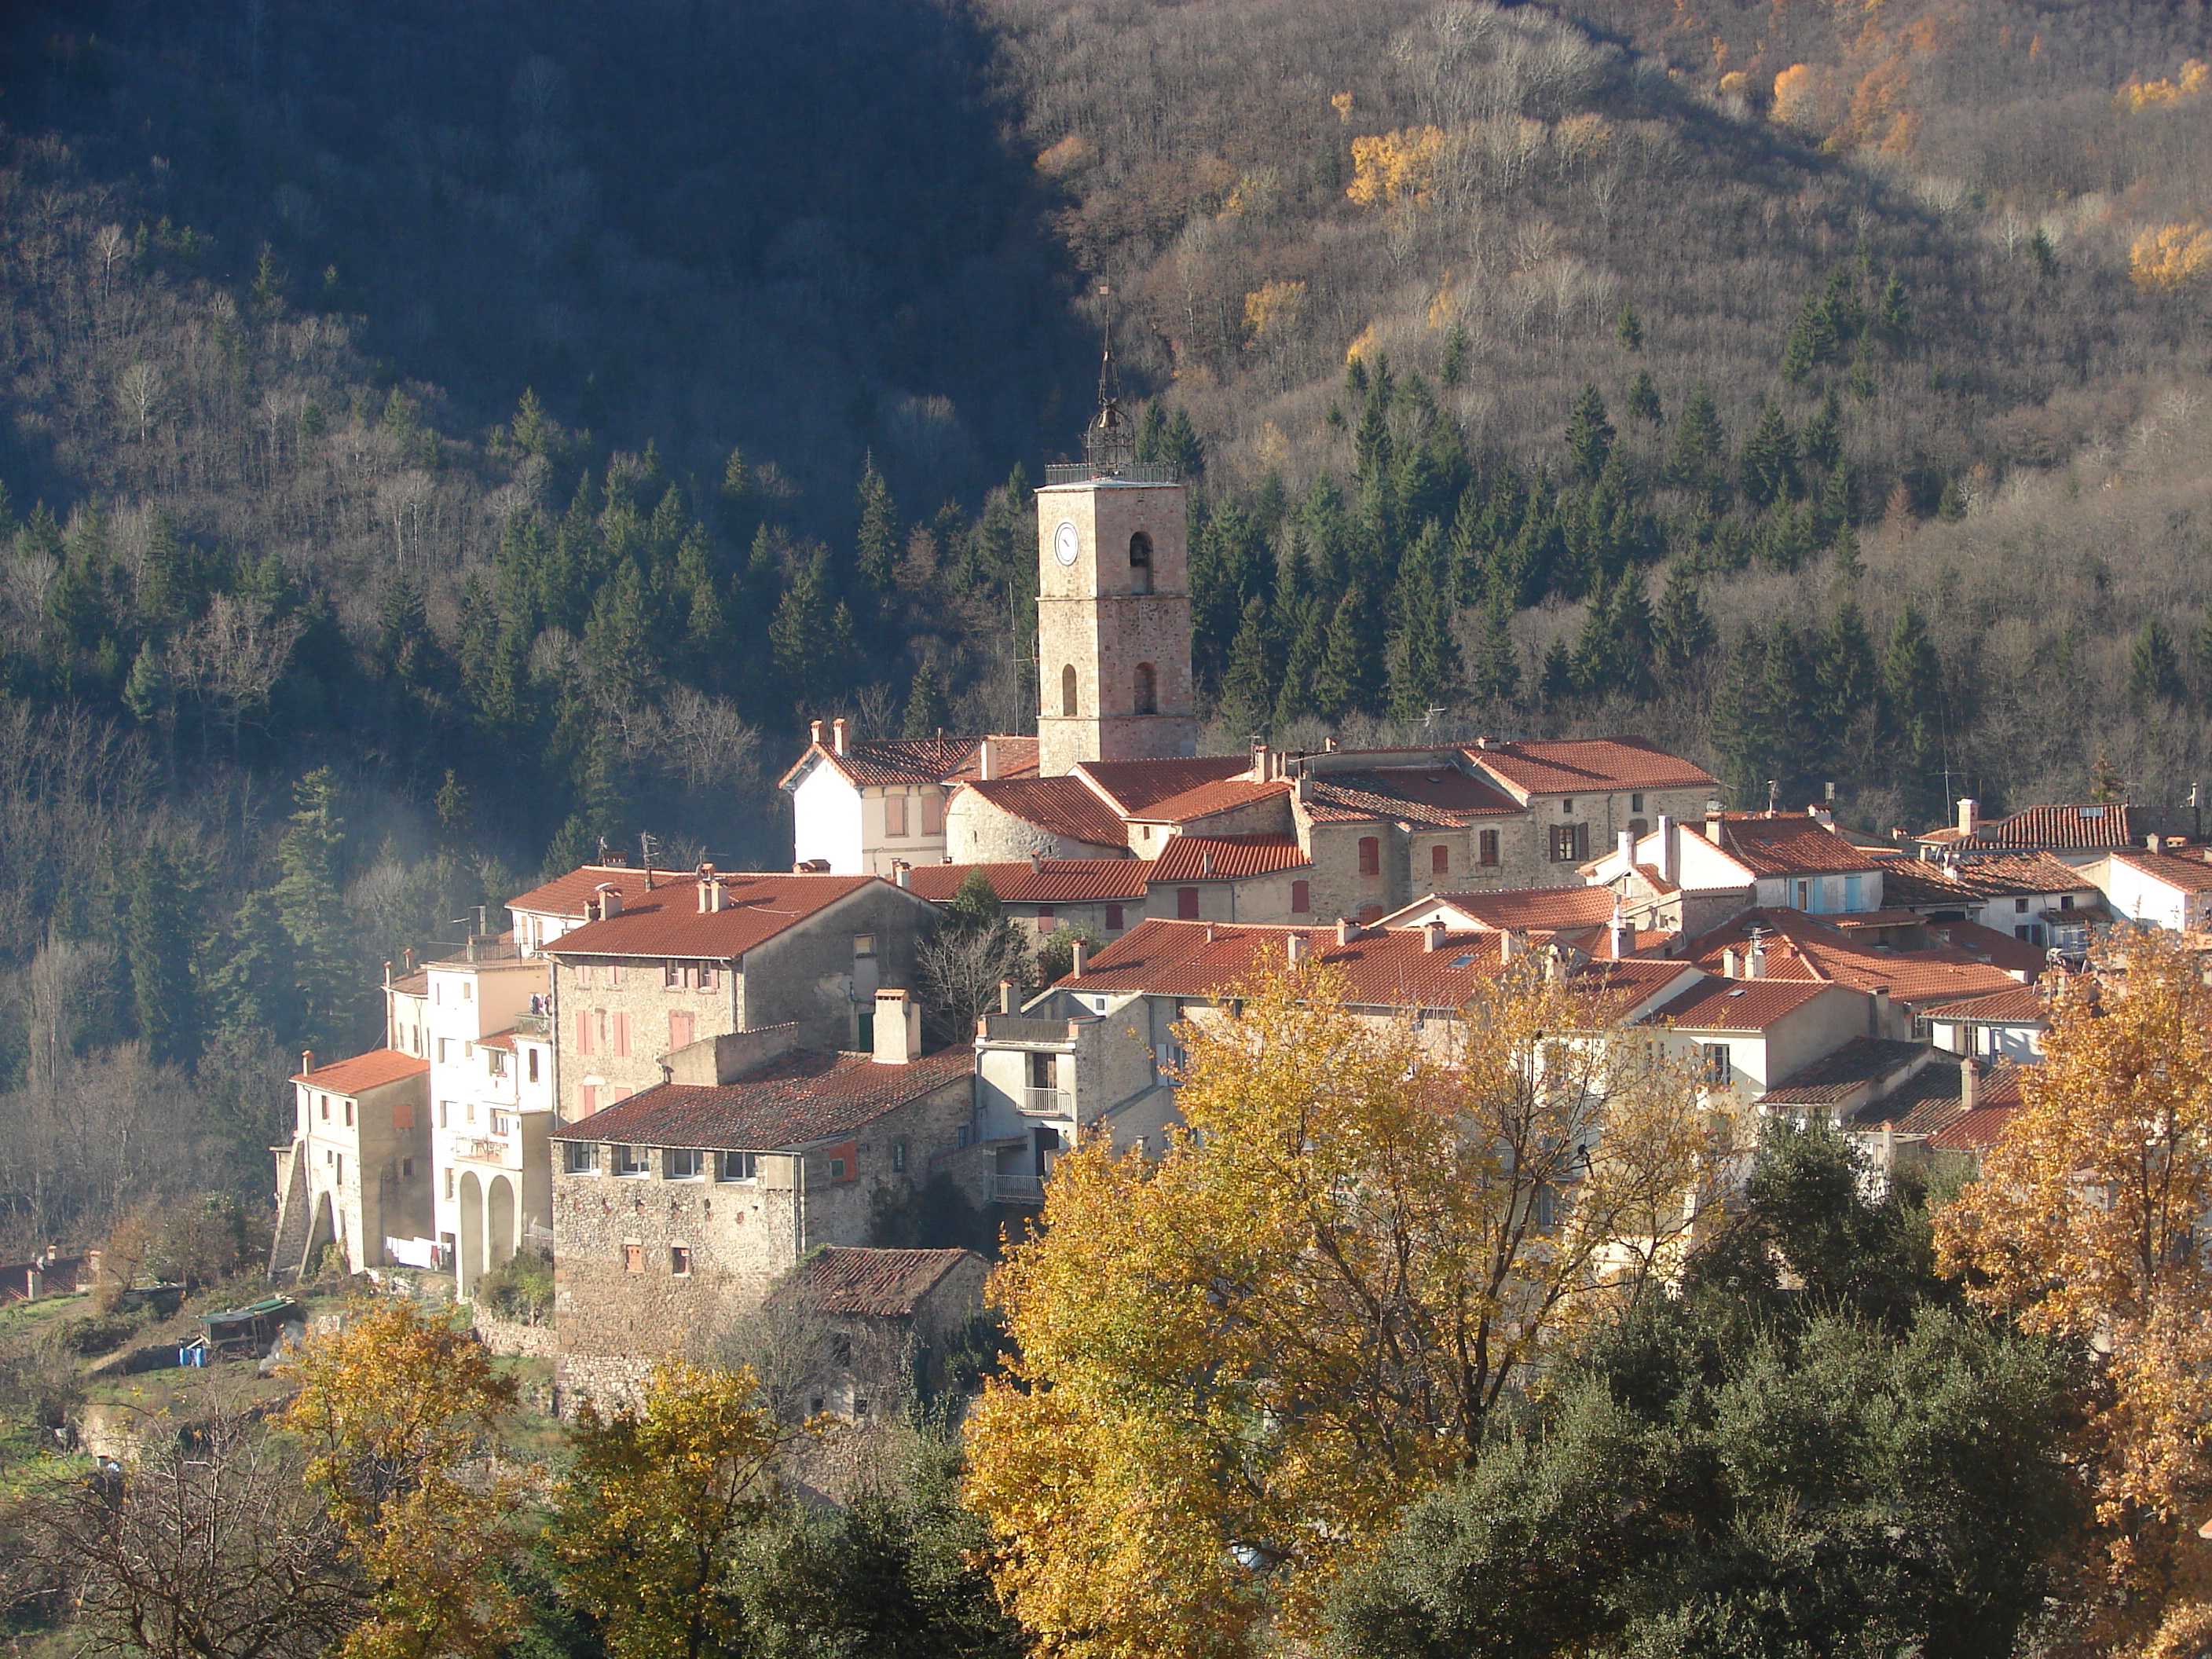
1226	858
803	1097
1999	950
1436	797
1791	845
1929	882
1519	909
565	896
668	922
1389	969
1974	1132
1224	795
1066	808
924	760
1862	1062
2076	827
1131	786
2021	1005
1575	766
1799	947
1737	1004
874	1284
2177	870
1932	1102
363	1071
498	1040
1049	881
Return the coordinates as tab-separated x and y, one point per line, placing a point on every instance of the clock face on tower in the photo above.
1066	543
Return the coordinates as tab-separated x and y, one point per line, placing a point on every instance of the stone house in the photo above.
1105	896
2078	834
890	1314
705	954
679	1208
357	1170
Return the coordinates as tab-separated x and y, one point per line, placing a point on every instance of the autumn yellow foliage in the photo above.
2086	1224
2171	257
399	1409
2139	96
1239	1366
1272	307
1395	167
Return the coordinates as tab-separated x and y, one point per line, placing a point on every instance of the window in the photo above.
1851	892
584	975
894	815
682	1164
1369	913
1570	842
1370	856
1140	563
864	946
620	1045
1638	828
586	1020
1186	904
898	1157
468	990
1044	918
633	1258
1805	896
1113	918
734	1166
680	1028
443	1055
341	1168
1636	803
1302	898
1713	1057
836	1169
1547	1207
577	1157
349	1115
2020	906
615	974
630	1160
1440	859
679	1261
1067	689
449	1186
1146	700
2030	932
933	814
2066	900
709	977
533	1064
495	1061
671	976
326	1108
407	1169
403	1115
1486	848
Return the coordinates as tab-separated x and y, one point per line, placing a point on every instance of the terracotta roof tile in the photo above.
1800	946
1390	968
1974	1132
566	895
1436	797
803	1097
1226	858
1736	1004
1131	786
878	1284
1999	950
1051	881
1066	808
1225	794
1790	846
363	1071
1861	1061
2076	827
1574	766
1521	910
2021	1005
2187	875
668	922
923	760
1929	883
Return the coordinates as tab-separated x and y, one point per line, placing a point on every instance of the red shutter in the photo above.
679	1031
1113	918
1301	897
1187	905
584	1030
1370	856
1440	859
587	1099
620	1045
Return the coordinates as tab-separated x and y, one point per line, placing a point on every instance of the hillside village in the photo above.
683	1083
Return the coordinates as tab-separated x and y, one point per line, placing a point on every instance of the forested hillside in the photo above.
438	438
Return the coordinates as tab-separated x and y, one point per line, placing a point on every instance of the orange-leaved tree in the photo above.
399	1411
646	1525
1239	1366
2086	1224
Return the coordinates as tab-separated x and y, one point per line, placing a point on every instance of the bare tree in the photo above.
138	389
961	968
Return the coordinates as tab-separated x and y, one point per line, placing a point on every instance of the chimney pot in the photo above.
611	902
814	733
1305	786
1206	864
1508	946
1970	815
306	1059
1432	935
1080	964
1036	862
1713	810
1261	761
2151	842
841	730
1007	991
898	1027
1329	745
1298	946
1970	1079
903	872
987	760
1627	845
1670	851
1729	964
1347	930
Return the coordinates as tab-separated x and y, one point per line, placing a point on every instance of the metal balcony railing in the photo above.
1048	1103
529	1025
482	1151
1018	1189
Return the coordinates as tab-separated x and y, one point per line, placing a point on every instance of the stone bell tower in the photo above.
1113	603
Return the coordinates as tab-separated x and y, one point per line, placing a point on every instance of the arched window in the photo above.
1140	563
1147	689
1067	689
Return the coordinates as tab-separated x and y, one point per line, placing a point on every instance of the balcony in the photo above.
1046	1102
1018	1189
534	1025
479	1149
1020	1030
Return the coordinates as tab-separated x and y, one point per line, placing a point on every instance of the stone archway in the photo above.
322	1231
472	1233
499	1223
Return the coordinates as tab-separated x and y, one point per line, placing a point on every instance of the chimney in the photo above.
1878	1014
1299	947
1508	946
1970	815
898	1027
387	976
1773	796
1081	963
610	899
1036	862
1713	822
2153	844
1970	1078
714	896
1261	761
1007	992
1670	851
987	760
306	1059
1755	960
814	733
1305	786
1432	935
1620	931
1347	930
1627	842
840	729
901	872
1730	967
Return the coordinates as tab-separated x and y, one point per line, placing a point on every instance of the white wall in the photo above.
826	822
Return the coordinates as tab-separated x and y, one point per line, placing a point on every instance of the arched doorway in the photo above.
499	1223
472	1233
322	1232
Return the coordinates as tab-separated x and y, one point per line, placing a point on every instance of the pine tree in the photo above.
1845	673
1628	332
1181	447
1343	680
1700	447
1911	683
1152	433
146	693
160	939
1642	403
1424	665
1456	350
2154	668
1308	632
1737	722
1824	433
1683	634
1589	436
619	641
1497	671
1248	682
1557	675
1787	695
1770	459
925	707
740	500
877	546
2204	648
311	905
257	987
807	642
